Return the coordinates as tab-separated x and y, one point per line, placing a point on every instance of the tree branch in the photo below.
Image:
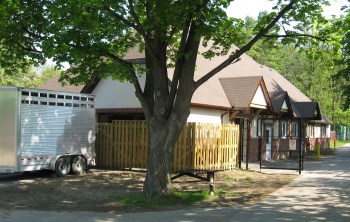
138	91
32	34
121	18
31	49
179	62
245	48
137	21
140	28
188	33
295	35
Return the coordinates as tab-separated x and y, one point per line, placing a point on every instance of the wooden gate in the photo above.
200	146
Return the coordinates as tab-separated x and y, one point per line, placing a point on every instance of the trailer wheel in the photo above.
78	165
62	166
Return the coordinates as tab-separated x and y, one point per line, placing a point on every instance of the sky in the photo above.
243	8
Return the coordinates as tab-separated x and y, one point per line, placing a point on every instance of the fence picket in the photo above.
200	146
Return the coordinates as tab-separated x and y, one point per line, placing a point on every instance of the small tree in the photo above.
28	77
93	36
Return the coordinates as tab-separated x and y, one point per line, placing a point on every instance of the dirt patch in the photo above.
98	190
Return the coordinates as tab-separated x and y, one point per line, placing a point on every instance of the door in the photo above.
268	137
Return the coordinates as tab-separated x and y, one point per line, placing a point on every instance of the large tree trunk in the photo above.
162	138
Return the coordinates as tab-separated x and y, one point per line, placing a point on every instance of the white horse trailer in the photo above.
46	130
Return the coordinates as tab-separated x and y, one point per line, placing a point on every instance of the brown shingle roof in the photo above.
53	84
211	93
240	90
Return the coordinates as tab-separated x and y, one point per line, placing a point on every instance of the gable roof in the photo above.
281	102
324	120
211	93
54	85
307	110
241	91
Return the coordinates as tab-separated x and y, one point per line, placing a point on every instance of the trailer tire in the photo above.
78	164
62	166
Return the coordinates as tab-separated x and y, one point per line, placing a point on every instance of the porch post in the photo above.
248	142
301	136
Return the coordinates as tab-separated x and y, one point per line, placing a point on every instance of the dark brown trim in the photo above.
120	110
88	88
211	106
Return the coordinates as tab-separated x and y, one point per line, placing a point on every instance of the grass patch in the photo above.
224	190
341	142
229	178
323	152
140	201
249	179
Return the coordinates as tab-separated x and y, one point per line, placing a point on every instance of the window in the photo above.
254	128
283	129
323	131
276	129
295	130
312	131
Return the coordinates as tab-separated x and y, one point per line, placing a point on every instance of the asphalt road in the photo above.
321	193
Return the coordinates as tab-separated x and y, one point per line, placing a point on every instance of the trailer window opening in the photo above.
91	99
83	105
76	105
25	93
60	104
91	106
60	96
76	98
52	104
69	104
43	103
44	95
83	99
52	95
34	94
25	101
68	97
34	102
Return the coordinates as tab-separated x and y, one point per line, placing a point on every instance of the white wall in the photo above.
328	131
206	115
317	131
114	94
111	94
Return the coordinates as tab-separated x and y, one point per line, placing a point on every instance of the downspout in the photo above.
259	135
222	116
240	148
301	144
248	142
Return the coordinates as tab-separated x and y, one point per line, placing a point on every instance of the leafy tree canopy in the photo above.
96	34
314	67
29	77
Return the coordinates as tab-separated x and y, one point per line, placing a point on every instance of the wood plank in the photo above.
200	146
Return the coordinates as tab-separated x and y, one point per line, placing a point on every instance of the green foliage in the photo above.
29	77
342	143
343	25
311	66
93	36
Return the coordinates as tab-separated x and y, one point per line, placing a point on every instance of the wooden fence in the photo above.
200	146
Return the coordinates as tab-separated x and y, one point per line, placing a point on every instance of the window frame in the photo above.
284	129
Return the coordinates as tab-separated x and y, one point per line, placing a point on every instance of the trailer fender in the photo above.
53	161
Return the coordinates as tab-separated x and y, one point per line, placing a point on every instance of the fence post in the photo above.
318	151
210	176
